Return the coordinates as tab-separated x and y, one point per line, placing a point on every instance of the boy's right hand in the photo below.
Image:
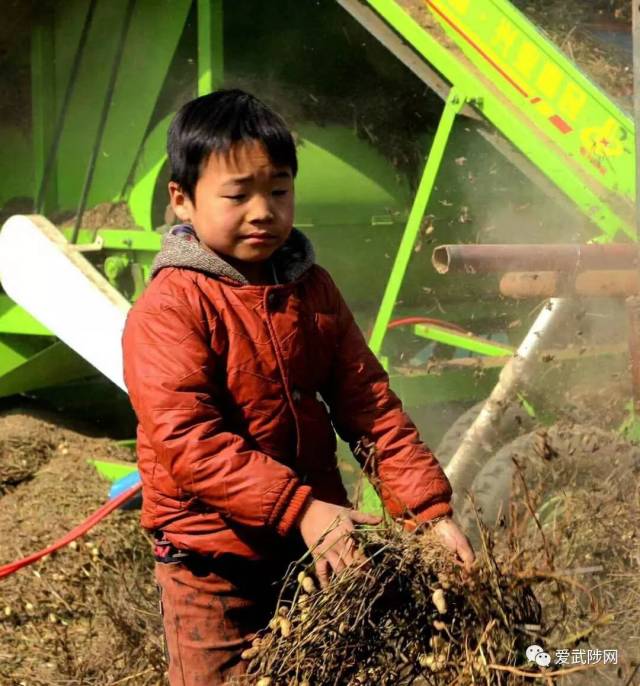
326	530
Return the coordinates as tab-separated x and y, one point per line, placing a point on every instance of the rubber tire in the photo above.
492	486
514	422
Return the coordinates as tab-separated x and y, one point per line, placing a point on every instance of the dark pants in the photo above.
210	610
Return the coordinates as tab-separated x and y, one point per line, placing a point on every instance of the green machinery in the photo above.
105	79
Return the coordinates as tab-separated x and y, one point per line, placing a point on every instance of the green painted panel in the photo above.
342	180
146	59
55	364
611	213
152	159
113	470
16	170
549	89
210	45
13	320
15	350
43	106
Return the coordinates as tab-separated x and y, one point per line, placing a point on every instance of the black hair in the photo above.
213	123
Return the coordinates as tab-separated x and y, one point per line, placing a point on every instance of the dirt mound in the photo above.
87	614
575	517
20	458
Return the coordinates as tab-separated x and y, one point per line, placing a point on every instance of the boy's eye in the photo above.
239	196
279	192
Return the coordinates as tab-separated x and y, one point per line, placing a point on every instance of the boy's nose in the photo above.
260	210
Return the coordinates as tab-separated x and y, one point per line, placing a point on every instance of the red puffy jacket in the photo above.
237	389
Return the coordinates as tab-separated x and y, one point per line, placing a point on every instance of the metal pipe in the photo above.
478	443
474	259
597	284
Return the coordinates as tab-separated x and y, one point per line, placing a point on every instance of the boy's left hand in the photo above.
454	539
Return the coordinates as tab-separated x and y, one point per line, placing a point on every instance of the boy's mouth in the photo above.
260	237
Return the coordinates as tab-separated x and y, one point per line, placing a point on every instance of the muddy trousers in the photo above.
210	612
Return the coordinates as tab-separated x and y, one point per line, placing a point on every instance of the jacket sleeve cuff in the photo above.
439	509
291	513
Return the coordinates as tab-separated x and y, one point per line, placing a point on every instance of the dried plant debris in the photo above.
20	458
70	619
106	215
576	28
562	574
410	616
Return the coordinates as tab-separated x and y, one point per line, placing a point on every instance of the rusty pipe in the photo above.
598	284
475	259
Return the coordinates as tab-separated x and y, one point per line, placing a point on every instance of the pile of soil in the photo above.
87	614
569	544
575	518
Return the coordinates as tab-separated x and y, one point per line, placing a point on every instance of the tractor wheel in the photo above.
514	422
493	485
491	488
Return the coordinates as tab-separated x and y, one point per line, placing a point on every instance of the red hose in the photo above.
79	530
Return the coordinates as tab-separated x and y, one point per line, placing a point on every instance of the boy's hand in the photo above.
454	539
326	530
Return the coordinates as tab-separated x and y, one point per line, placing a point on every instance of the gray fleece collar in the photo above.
179	249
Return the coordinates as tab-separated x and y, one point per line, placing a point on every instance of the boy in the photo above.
225	355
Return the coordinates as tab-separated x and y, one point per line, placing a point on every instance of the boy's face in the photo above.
243	205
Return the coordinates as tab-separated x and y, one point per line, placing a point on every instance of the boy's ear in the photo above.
180	203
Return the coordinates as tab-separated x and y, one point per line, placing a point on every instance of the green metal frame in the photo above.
471	343
536	86
452	107
597	183
113	470
29	363
533	95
